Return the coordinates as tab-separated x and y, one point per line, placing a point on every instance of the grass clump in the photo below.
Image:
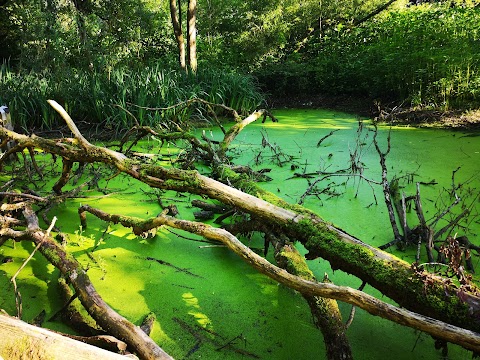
101	98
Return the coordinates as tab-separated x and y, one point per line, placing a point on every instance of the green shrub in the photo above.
426	55
429	55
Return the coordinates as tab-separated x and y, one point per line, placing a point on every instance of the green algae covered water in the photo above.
209	304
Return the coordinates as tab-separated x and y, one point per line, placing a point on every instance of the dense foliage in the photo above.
107	33
96	55
427	55
53	34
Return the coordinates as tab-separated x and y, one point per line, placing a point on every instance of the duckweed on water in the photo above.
227	301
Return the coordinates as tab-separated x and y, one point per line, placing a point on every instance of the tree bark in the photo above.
16	334
175	14
192	35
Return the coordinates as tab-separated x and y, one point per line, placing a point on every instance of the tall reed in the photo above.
101	98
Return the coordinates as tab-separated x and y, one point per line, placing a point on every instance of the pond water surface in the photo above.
212	305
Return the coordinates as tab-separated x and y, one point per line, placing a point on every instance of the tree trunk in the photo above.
177	29
192	35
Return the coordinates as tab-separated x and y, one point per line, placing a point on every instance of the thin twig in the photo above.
352	311
24	195
18	296
326	136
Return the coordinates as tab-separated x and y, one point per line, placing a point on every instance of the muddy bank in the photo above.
397	115
455	119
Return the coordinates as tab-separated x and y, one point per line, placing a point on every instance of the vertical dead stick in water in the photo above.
18	296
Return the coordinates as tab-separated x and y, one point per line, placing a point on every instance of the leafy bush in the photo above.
428	55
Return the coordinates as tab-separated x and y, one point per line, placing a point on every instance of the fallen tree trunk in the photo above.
424	293
17	335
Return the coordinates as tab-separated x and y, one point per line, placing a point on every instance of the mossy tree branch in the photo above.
308	287
105	316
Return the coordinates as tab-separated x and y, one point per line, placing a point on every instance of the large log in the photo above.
21	338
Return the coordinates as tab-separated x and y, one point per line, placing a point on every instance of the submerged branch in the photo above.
325	311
